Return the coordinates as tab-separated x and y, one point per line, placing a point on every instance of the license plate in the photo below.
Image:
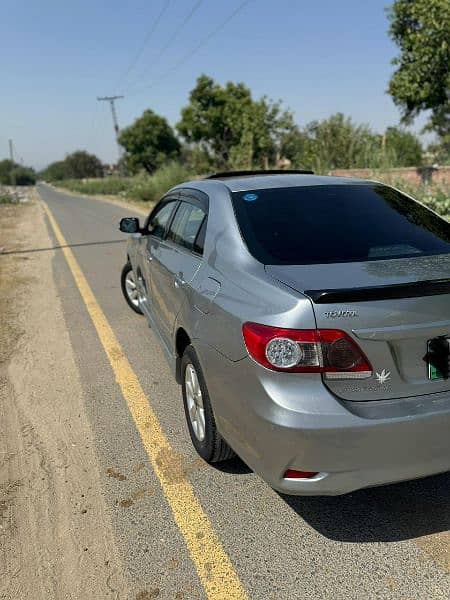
433	372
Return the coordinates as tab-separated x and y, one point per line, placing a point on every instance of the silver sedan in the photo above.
307	320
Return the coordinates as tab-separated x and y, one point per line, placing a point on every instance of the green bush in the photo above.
11	173
6	198
78	165
439	203
23	176
107	185
150	189
144	188
433	196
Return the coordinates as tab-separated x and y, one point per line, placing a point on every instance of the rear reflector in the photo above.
292	474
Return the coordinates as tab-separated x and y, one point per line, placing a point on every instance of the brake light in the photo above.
329	351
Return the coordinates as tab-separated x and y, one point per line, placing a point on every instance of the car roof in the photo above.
259	182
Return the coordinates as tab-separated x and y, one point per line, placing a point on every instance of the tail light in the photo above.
329	351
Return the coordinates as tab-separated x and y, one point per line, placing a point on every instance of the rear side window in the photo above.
186	226
199	243
337	223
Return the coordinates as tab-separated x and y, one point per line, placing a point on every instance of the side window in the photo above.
199	243
158	223
186	226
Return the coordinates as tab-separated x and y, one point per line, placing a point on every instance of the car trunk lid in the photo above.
391	308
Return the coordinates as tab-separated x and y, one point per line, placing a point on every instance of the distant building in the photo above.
111	169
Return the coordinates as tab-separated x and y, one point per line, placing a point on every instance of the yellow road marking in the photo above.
213	565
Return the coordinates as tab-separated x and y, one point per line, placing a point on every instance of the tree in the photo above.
421	29
11	172
56	171
338	143
6	166
230	126
149	142
403	148
296	146
23	175
78	165
196	159
81	165
438	153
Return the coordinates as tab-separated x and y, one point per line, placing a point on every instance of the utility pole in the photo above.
11	156
111	100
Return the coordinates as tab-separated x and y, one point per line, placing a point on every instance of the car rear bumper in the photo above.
279	421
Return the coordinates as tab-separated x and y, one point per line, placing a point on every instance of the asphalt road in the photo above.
387	542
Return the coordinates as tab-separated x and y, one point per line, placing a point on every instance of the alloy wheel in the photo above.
132	291
195	402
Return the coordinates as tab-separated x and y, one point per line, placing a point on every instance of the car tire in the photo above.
210	446
127	278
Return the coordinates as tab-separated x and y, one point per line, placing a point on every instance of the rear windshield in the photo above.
337	223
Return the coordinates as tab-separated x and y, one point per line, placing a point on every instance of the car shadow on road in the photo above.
233	466
388	513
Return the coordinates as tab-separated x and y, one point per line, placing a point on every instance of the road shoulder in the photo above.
143	208
56	537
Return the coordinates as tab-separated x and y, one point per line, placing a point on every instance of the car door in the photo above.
176	261
154	230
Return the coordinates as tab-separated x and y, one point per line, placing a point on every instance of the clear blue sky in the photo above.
318	57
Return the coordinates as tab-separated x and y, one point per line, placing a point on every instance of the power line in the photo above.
128	70
200	45
179	63
177	31
147	38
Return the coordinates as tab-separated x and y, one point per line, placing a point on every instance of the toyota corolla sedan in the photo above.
307	320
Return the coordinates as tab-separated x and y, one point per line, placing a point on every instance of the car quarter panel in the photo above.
231	288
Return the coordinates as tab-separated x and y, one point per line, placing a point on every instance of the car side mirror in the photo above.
129	225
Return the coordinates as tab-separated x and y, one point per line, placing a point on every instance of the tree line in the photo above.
225	127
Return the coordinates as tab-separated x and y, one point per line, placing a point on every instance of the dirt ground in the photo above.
56	539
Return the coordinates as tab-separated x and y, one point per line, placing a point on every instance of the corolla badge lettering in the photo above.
335	314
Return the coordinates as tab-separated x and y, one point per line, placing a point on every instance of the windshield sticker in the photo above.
250	197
